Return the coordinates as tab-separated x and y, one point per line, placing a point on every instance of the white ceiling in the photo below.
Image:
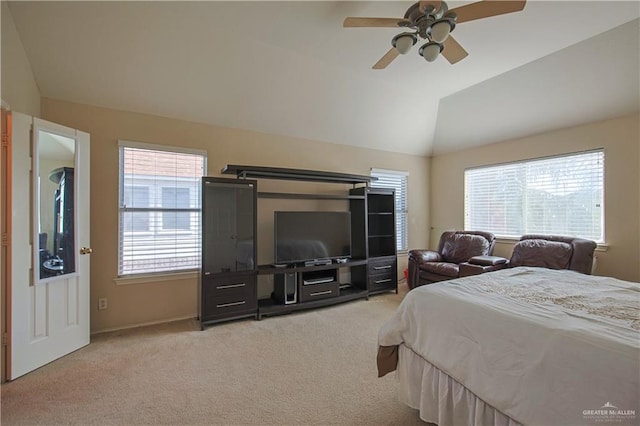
289	68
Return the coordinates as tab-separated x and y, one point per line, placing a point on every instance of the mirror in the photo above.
54	201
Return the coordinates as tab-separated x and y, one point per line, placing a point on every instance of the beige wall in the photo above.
19	88
158	301
620	139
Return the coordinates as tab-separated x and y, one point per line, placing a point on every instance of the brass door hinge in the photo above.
4	339
5	136
5	239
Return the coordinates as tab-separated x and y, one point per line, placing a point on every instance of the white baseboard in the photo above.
143	324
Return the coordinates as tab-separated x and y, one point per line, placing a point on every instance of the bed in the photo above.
518	346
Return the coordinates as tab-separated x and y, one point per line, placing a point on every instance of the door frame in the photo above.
5	245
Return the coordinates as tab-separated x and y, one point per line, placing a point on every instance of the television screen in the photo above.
307	236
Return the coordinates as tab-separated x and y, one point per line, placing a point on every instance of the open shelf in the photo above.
267	307
270	269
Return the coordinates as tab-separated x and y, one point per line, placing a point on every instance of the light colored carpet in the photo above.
311	367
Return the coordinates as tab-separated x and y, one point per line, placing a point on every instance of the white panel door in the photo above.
49	317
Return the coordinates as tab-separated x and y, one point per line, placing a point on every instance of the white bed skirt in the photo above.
441	399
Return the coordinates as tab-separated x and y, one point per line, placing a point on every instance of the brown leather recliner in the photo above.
547	251
454	248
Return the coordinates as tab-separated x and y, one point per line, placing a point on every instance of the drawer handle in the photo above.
383	281
226	305
377	268
222	287
320	293
207	273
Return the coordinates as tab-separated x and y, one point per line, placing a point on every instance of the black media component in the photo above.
286	287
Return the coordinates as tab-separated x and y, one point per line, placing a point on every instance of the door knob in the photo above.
86	250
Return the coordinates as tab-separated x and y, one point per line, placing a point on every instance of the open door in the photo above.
49	283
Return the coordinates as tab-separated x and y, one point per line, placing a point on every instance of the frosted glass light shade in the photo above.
430	51
440	31
404	42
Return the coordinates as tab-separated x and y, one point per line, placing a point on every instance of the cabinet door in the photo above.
228	216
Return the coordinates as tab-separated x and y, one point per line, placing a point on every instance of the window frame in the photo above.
155	214
600	242
401	204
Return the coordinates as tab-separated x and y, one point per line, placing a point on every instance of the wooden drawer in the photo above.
381	265
319	291
382	282
228	297
229	285
382	274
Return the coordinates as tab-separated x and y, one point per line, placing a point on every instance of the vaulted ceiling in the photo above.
290	68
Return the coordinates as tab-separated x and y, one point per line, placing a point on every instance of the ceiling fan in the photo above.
433	21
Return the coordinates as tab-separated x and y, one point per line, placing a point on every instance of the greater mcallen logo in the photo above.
609	413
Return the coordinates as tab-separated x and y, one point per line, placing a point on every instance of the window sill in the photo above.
512	240
154	278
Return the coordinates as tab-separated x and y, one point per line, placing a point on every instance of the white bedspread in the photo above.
545	347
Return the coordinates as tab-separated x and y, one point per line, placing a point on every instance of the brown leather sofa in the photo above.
547	251
454	248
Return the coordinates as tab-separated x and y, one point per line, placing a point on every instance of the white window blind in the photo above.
560	195
160	205
397	180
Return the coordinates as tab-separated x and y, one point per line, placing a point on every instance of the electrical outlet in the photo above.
102	303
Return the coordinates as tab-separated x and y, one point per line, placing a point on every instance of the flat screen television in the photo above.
309	236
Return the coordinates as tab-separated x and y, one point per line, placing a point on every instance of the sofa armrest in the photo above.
488	260
468	268
421	256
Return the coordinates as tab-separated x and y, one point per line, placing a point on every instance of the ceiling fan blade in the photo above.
486	9
435	3
453	51
386	59
372	22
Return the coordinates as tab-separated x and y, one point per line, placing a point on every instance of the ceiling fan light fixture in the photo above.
440	30
404	42
430	51
433	22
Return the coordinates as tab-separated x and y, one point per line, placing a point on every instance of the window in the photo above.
560	195
159	208
136	196
398	181
176	199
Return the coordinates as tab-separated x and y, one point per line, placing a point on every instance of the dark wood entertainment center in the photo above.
228	284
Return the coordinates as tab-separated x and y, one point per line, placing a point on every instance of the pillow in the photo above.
542	253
